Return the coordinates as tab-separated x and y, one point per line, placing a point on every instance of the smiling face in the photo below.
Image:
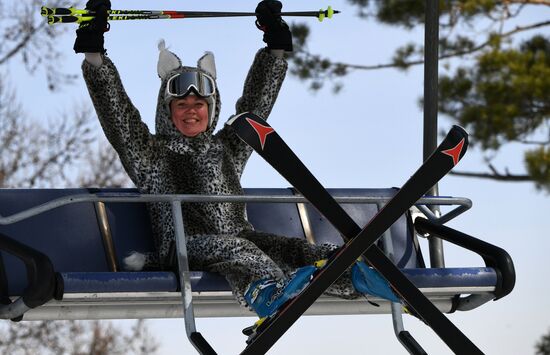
190	115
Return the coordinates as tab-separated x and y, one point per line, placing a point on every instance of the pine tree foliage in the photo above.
505	97
496	79
543	345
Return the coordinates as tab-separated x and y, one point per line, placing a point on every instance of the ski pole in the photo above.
74	15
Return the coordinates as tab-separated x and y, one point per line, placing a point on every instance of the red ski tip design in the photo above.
455	152
261	130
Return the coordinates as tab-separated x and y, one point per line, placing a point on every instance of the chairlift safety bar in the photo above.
463	204
15	309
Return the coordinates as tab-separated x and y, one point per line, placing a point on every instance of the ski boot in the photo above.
366	280
267	296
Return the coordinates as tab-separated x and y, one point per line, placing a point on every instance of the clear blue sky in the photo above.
367	136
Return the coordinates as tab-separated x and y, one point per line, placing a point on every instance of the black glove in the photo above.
89	36
276	32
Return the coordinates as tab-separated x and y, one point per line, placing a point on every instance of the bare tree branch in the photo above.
499	177
26	35
526	141
31	32
529	2
37	155
103	169
59	153
75	338
448	55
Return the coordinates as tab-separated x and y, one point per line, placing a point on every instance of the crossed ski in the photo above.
254	131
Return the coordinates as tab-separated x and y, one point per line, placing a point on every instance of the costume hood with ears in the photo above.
168	65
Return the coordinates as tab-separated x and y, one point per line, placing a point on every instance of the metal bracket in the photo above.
194	337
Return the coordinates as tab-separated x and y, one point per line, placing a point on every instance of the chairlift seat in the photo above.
72	237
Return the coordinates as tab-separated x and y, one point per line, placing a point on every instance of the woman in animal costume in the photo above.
184	156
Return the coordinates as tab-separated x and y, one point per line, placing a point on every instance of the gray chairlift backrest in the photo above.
71	237
405	247
68	235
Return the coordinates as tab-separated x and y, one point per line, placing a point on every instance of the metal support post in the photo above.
194	337
404	337
431	61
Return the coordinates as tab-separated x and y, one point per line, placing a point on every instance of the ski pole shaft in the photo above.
79	19
73	15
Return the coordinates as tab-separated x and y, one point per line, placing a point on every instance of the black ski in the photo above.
263	139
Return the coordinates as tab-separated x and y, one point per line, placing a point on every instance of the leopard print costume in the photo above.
219	237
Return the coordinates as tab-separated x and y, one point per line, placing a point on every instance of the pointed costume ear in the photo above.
168	61
207	63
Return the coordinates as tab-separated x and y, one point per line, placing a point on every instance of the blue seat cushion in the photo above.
151	281
104	282
452	277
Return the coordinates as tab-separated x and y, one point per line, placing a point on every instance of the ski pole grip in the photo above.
59	11
46	11
52	20
62	11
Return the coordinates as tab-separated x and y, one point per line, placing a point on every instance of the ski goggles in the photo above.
181	84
